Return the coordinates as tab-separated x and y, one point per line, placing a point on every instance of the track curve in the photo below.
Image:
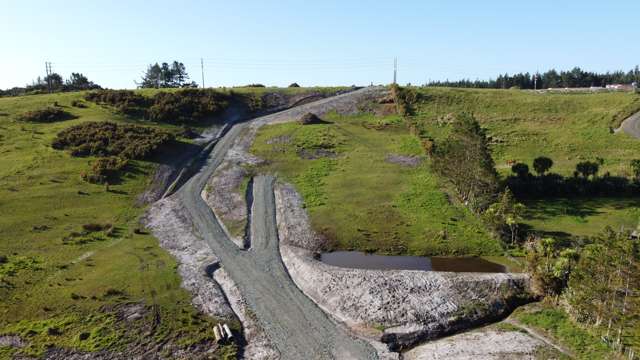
296	326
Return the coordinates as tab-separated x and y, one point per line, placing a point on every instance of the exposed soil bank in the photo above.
411	306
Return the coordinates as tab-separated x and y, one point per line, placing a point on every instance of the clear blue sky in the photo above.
327	42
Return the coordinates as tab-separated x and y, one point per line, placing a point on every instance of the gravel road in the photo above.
293	323
631	126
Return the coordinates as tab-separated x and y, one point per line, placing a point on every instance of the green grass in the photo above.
565	127
582	217
358	200
48	284
568	128
555	323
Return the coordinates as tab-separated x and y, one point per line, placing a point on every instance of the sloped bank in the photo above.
411	306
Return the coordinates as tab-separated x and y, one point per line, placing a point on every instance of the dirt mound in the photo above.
310	118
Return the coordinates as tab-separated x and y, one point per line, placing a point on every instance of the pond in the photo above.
360	260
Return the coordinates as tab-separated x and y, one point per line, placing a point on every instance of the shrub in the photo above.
46	115
255	86
110	139
105	170
3	259
542	164
125	101
187	106
95	227
78	104
405	99
520	169
465	160
309	118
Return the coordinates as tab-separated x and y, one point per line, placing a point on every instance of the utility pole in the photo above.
202	69
395	69
47	67
535	81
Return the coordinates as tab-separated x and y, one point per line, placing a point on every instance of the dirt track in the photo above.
631	126
293	323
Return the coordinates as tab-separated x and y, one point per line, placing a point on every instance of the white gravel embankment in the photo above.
410	305
217	296
478	345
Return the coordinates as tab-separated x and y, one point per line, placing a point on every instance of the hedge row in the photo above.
187	106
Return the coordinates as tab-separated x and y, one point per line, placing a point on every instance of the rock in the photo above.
410	161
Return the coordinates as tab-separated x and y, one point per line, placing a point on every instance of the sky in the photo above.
329	42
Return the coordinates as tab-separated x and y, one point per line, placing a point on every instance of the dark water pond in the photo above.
360	260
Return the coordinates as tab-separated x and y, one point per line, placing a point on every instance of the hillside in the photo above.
568	128
77	271
368	185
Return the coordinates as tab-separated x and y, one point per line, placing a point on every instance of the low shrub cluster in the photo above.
115	144
48	114
187	106
405	99
110	139
125	101
105	170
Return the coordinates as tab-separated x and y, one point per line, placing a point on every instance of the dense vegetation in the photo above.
115	143
53	83
551	79
597	279
111	139
464	159
584	182
166	76
187	106
594	276
46	115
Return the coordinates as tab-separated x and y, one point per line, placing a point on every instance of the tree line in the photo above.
584	182
574	78
166	75
597	280
53	83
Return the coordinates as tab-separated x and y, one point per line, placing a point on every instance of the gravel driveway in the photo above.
293	323
631	126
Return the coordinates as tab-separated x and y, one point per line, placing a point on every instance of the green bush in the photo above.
125	101
104	170
110	139
187	106
78	104
48	114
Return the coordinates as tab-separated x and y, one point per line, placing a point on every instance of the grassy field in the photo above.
555	323
523	125
70	292
359	199
568	128
582	217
